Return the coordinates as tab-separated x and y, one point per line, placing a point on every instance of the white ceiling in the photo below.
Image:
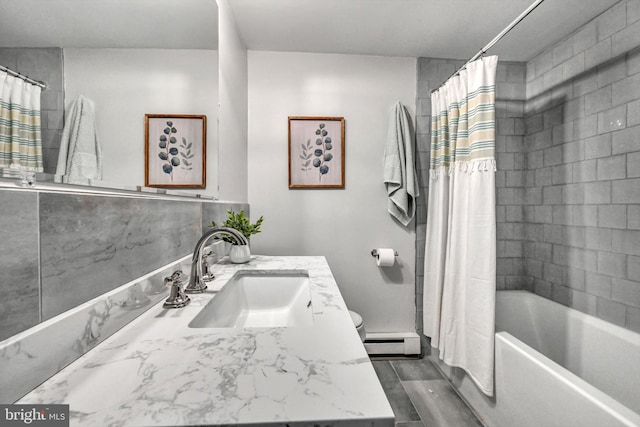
175	24
430	28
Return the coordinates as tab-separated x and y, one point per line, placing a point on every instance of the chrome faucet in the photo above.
196	282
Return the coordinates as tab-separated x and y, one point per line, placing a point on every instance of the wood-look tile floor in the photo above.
420	396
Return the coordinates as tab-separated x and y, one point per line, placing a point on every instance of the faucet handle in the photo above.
177	297
176	276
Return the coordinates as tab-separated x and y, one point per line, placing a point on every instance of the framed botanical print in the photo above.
316	152
175	150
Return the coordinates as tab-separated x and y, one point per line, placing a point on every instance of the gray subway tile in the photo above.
585	38
573	151
633	11
585	215
586	126
633	61
633	216
597	54
583	302
575	278
612	264
544	214
573	194
561	294
598	100
553	273
597	192
612	119
598	238
562	174
612	216
575	236
553	77
585	83
626	292
611	311
633	268
562	133
598	146
573	66
612	20
626	191
552	195
626	140
614	167
611	71
573	109
562	51
598	285
585	171
554	234
553	156
626	90
632	319
633	113
626	39
626	242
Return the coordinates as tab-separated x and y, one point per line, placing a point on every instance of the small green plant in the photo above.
240	223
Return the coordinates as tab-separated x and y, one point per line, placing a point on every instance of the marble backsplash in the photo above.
60	250
19	273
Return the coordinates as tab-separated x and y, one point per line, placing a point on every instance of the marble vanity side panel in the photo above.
92	244
217	211
19	285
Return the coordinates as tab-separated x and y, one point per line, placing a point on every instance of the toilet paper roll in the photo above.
386	257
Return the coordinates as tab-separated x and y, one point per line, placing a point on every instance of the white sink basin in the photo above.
260	299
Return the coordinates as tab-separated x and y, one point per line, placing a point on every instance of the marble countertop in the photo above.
157	371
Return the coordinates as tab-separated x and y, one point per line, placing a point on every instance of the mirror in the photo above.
130	58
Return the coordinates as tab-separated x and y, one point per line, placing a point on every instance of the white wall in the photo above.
126	84
345	224
232	112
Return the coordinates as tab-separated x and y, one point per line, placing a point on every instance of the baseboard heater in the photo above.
378	343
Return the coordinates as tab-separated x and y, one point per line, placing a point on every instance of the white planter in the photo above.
239	254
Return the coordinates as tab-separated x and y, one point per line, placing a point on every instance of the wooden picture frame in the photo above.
175	150
316	152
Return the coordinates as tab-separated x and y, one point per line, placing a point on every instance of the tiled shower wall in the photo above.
568	160
582	227
43	64
60	250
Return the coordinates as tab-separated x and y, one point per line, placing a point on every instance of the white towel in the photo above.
80	157
400	176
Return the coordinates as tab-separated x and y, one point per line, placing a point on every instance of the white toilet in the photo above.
359	324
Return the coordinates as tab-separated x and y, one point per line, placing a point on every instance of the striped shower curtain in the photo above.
20	143
460	250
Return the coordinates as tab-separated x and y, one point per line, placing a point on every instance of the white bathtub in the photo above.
556	366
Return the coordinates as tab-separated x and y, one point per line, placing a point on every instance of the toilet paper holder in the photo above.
374	253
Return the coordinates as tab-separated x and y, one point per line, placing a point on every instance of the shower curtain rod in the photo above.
495	39
23	77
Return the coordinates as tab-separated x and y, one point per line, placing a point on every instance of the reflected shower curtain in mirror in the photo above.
460	250
20	143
